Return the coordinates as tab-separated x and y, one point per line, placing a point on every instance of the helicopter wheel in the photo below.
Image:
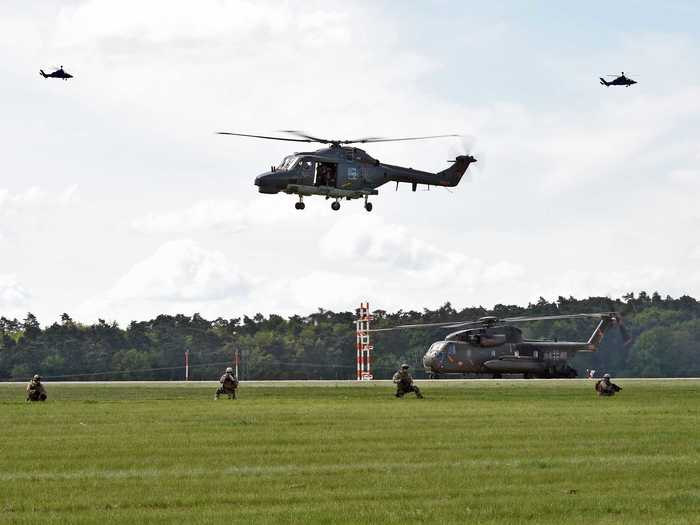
299	205
335	206
368	206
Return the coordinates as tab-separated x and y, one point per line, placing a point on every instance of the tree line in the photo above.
665	331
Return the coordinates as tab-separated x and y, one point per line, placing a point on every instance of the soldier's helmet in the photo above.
606	376
404	366
229	370
36	377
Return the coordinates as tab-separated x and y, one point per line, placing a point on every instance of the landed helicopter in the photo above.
340	172
494	346
59	73
620	80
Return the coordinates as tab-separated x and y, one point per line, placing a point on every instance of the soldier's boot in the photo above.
233	395
399	394
418	393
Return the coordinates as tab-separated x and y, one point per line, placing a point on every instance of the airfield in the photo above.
472	451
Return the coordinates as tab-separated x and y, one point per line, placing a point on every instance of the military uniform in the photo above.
605	387
35	390
229	385
404	383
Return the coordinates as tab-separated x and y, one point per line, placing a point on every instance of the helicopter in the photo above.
620	80
342	172
492	345
58	73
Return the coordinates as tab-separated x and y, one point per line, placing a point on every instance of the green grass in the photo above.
471	452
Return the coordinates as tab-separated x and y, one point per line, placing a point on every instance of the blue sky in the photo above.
118	201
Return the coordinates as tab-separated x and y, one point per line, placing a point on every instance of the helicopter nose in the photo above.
430	362
266	183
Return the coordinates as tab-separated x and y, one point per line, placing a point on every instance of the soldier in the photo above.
606	388
404	383
229	385
35	390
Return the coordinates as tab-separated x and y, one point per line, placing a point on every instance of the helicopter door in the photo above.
326	174
308	168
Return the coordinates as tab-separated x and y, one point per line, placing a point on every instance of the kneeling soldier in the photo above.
229	384
606	388
404	383
35	390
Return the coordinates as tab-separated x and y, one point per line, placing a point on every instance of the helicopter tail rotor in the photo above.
466	148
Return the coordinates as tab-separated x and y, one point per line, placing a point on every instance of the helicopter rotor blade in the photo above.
368	140
302	134
557	317
411	326
262	137
500	322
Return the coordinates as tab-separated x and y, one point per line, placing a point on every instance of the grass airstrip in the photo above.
538	451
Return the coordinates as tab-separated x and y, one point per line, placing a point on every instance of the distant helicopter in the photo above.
338	172
494	346
59	73
621	80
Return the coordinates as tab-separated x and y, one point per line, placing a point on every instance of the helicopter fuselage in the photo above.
502	350
347	172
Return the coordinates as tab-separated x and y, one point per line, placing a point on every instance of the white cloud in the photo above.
220	215
370	242
181	271
36	197
12	295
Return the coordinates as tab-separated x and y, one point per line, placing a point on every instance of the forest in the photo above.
321	345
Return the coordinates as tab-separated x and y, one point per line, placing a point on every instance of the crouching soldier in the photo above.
229	385
605	387
404	383
35	390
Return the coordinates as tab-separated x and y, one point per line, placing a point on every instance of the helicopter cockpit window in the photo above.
436	347
306	164
287	163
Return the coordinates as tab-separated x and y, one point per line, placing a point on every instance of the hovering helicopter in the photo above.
339	172
59	73
494	346
620	80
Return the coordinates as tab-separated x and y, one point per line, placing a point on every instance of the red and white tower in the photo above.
364	348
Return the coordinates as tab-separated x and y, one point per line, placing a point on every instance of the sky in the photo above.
119	202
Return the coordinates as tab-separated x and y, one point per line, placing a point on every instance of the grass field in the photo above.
471	452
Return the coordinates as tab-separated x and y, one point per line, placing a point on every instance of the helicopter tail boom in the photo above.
41	72
603	82
449	177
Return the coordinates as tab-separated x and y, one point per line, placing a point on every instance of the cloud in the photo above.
12	294
373	242
181	271
36	197
220	215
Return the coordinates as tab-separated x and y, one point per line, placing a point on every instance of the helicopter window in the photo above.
451	350
306	164
287	163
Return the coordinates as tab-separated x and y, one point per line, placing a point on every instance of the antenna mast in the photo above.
364	348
